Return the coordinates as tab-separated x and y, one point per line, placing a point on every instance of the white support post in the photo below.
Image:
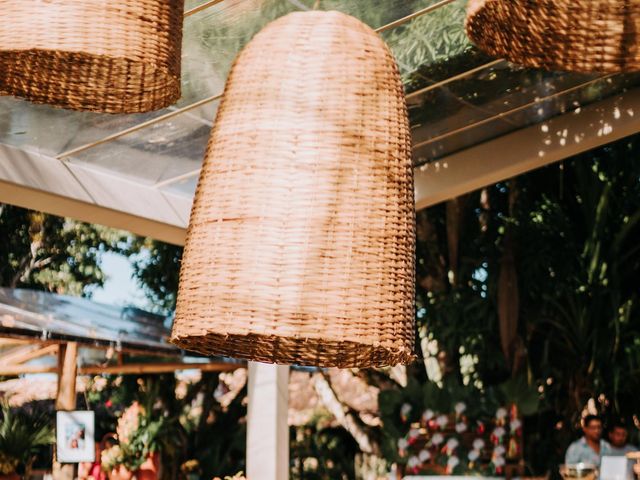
267	425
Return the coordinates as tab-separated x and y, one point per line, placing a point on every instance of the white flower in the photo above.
461	427
515	425
478	444
499	451
442	421
402	443
473	455
460	407
499	432
498	461
413	462
501	413
414	433
405	410
453	462
424	455
428	414
451	444
437	439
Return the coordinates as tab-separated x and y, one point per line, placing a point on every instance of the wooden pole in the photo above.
267	422
66	398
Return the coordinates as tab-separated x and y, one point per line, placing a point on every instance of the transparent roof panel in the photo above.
484	94
457	96
49	316
158	152
432	142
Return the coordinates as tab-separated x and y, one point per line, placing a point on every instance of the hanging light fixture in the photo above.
570	35
300	247
114	56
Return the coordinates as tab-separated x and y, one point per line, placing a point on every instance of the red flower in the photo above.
108	404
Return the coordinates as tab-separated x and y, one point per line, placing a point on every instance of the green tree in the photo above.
50	253
156	267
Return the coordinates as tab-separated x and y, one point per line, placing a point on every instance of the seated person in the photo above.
591	446
618	435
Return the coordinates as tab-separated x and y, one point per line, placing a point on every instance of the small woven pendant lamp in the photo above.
113	56
568	35
300	248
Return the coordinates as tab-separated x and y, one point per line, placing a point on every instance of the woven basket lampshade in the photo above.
569	35
300	248
114	56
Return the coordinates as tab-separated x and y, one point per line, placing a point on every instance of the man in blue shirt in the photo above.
618	435
591	446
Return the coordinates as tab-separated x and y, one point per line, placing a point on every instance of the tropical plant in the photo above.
22	432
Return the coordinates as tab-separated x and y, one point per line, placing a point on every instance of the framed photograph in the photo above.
75	436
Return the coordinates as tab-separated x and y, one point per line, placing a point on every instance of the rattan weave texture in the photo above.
114	56
570	35
300	247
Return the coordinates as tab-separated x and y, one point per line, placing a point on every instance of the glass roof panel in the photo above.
482	95
158	152
432	142
51	131
51	316
457	96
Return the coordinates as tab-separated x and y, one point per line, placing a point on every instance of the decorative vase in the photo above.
120	473
301	243
150	469
10	476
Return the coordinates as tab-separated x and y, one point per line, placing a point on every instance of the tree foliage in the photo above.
572	232
156	267
50	253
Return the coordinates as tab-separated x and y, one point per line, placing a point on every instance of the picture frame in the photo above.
75	436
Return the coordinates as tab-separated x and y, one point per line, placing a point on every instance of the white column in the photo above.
267	426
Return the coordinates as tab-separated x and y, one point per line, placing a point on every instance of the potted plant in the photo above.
141	434
21	433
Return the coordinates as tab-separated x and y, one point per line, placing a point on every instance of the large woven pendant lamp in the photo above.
114	56
300	248
569	35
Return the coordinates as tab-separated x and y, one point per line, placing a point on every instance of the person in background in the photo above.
591	447
618	436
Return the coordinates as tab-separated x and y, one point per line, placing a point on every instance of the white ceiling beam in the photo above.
528	148
41	183
40	200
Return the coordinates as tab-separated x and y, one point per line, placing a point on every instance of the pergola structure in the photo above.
475	121
36	325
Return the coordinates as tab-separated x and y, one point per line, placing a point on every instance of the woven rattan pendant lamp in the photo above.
569	35
114	56
300	248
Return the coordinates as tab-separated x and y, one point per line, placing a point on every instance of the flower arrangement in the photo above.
140	435
454	444
457	429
